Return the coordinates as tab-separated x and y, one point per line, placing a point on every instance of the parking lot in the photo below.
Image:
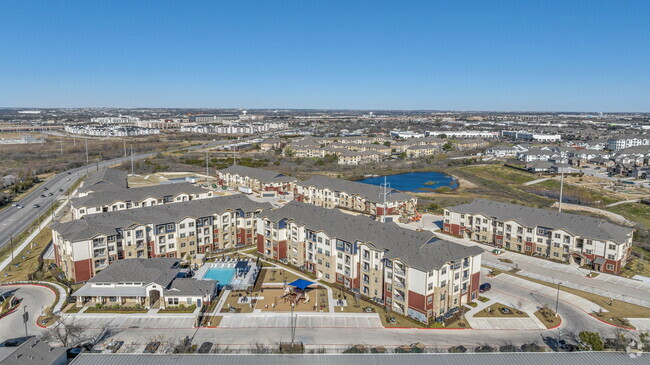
304	320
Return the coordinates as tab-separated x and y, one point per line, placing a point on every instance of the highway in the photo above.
14	220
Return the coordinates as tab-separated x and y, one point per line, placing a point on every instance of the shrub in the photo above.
592	340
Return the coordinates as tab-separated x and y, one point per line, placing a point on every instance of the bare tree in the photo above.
67	333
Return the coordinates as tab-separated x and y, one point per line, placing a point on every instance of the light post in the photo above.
25	318
557	298
293	325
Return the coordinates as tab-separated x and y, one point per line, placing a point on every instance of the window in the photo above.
611	246
610	267
429	299
430	286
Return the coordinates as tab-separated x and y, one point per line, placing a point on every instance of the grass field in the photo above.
636	212
29	263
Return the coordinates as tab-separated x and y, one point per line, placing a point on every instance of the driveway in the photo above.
607	285
36	298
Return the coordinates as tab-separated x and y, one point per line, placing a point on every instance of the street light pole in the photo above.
25	318
557	298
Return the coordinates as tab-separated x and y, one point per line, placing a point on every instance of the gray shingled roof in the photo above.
370	192
34	351
264	176
105	223
590	227
157	270
105	179
189	286
136	194
420	250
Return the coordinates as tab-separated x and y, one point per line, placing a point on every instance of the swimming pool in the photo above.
223	275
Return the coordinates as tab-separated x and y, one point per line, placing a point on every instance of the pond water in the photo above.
415	181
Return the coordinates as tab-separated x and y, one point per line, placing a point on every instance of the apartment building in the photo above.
329	192
413	273
422	151
85	246
586	241
131	198
354	158
264	182
626	141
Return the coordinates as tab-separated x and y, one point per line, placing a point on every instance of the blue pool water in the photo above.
223	275
414	181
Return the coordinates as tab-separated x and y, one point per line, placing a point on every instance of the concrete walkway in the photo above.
535	181
641	324
623	202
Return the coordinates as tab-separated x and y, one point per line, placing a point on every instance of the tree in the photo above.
387	144
592	340
447	147
442	136
65	333
402	155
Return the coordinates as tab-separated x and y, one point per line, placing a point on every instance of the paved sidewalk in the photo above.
641	324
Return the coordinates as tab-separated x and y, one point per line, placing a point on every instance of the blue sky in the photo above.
459	55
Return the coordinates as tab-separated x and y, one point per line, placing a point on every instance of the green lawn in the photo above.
500	174
636	212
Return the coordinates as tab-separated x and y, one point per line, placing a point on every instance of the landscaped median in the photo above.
548	318
500	310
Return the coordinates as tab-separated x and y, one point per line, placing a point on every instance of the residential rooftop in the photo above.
370	192
421	250
264	176
122	194
106	223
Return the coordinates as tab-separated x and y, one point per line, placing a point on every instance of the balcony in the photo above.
398	271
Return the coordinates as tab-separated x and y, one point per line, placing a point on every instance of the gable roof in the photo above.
105	179
264	176
109	197
157	270
91	225
370	192
420	250
585	226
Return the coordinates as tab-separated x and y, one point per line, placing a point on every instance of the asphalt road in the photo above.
14	220
36	298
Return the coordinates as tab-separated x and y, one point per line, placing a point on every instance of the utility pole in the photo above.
61	139
11	245
557	298
124	147
86	140
384	195
25	319
132	171
561	191
207	164
234	155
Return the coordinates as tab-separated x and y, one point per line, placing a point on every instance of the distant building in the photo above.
406	134
463	134
529	136
626	141
264	182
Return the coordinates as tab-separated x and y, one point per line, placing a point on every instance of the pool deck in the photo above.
236	282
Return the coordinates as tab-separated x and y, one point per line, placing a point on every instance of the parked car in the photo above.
50	194
205	348
484	287
42	195
36	206
45	188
